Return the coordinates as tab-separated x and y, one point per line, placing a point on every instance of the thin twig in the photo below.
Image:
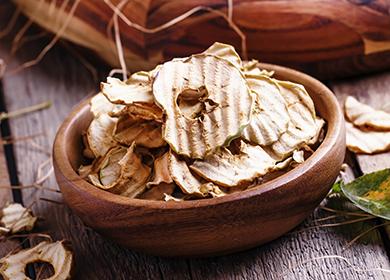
180	18
19	36
349	244
119	47
355	268
23	111
335	224
344	212
51	200
11	23
3	66
48	47
12	140
83	61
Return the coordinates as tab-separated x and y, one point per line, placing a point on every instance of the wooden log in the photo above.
65	82
326	38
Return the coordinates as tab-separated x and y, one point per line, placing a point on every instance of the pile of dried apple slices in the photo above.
197	127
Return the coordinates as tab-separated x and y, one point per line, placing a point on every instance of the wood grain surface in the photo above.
63	79
327	38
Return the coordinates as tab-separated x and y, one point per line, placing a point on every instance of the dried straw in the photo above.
18	37
48	47
23	111
10	24
184	16
341	258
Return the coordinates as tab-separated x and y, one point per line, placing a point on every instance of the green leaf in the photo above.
337	186
371	193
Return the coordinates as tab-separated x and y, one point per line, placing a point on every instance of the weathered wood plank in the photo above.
5	196
375	91
63	80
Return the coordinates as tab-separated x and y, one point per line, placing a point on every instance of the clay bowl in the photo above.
211	226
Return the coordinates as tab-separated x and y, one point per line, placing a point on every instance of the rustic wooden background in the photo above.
65	79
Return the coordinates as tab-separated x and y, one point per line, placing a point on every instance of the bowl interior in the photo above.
325	103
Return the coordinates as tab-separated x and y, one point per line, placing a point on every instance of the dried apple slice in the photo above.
159	191
367	141
141	111
122	172
100	134
101	105
252	68
15	218
13	266
143	133
225	109
302	126
363	115
226	52
181	174
227	169
161	171
270	116
136	89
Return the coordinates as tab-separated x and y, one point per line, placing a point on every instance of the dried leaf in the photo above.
227	169
15	218
270	117
363	115
371	193
136	89
226	106
100	134
13	266
366	141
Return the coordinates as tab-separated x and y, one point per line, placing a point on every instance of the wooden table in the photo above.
63	78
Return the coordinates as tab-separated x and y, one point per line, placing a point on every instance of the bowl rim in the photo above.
62	164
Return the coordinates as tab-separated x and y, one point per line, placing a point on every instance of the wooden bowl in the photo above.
205	227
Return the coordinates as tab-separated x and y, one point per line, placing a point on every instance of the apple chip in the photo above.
251	68
141	111
224	110
227	169
55	253
161	172
144	133
15	218
101	105
136	89
363	115
298	156
181	174
367	141
270	117
226	52
158	192
302	126
122	172
100	134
